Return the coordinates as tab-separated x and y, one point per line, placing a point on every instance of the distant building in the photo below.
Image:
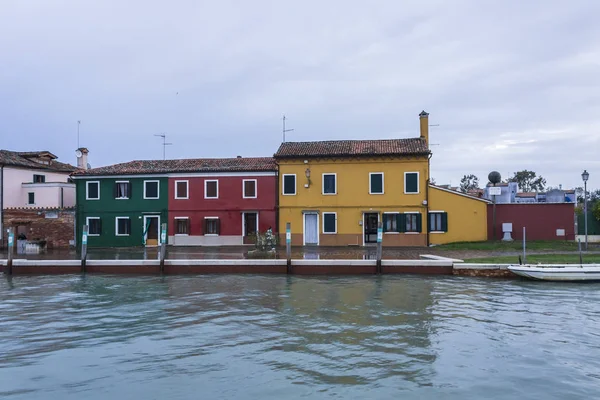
510	194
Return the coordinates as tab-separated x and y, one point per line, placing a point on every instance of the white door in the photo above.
311	229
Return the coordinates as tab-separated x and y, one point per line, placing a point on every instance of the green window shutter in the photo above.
99	227
445	222
386	217
401	222
430	217
419	223
411	182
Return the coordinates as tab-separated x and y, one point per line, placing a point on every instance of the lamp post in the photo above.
585	176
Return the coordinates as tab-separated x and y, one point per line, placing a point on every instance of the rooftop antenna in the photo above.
434	144
164	143
285	130
78	123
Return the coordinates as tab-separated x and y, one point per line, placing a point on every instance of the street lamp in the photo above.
585	176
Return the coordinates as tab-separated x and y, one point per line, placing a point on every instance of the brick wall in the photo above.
55	226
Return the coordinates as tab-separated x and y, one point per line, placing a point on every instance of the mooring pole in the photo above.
288	246
524	247
580	255
84	238
11	245
379	244
163	247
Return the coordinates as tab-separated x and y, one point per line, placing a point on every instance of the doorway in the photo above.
151	230
250	223
311	229
370	227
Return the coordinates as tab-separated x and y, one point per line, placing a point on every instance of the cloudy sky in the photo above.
512	84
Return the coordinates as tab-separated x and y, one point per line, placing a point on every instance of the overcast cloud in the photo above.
512	84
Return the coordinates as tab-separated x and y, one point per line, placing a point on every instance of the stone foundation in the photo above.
53	226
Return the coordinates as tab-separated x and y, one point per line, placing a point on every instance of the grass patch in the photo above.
539	258
511	246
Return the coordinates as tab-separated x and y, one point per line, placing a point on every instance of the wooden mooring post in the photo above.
379	244
84	239
288	246
11	247
163	247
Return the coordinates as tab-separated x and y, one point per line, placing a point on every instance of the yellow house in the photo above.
335	193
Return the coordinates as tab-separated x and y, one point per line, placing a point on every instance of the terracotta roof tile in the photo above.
22	159
250	164
353	148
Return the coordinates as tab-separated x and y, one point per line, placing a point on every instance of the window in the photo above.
329	184
122	226
181	190
438	221
211	189
413	222
289	184
151	189
31	198
329	222
94	226
391	223
39	178
212	226
376	183
122	190
249	188
411	182
92	190
182	226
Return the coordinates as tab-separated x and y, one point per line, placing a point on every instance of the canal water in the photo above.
249	337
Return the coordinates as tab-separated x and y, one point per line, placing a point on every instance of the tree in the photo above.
596	210
469	182
528	181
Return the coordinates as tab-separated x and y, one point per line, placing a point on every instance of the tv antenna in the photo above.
164	143
78	123
285	130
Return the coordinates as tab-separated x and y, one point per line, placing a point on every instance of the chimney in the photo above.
82	157
424	125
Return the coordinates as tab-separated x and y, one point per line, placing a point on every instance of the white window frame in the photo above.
87	190
206	185
283	185
382	182
117	226
122	198
396	213
244	188
244	221
189	227
418	182
323	222
434	212
87	222
323	184
157	190
212	234
414	233
187	190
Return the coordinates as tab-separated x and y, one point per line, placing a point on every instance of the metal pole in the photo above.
524	246
163	247
288	246
11	243
84	237
580	255
494	218
586	213
379	244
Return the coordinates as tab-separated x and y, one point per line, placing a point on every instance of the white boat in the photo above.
558	272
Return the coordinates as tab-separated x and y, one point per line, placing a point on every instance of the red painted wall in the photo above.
228	207
541	220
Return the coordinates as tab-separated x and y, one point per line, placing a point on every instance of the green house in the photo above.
120	211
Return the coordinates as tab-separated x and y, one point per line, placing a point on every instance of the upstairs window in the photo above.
181	189
151	190
122	190
212	226
123	226
438	222
376	183
92	191
289	184
39	178
411	182
211	189
249	186
94	226
31	198
329	184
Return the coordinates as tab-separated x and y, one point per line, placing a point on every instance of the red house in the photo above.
218	202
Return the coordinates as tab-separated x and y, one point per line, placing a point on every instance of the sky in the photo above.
510	85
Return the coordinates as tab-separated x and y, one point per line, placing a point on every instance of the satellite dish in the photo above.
494	177
78	153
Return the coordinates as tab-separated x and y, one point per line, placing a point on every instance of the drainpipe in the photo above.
277	199
2	206
427	197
